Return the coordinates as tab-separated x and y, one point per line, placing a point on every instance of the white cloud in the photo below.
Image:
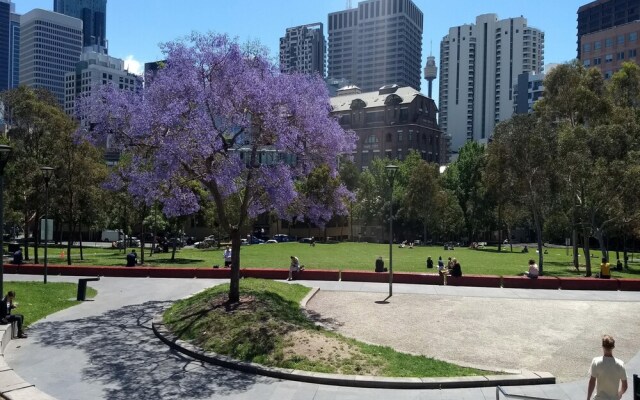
133	65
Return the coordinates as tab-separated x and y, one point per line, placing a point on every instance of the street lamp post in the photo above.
5	152
391	173
47	172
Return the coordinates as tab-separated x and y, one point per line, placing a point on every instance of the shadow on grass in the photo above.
130	362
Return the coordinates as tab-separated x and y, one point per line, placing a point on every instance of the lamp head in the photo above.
47	172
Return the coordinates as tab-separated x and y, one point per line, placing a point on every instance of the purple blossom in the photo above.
211	117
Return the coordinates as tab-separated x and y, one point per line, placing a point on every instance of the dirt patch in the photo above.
319	348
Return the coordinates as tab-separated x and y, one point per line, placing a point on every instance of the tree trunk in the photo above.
538	223
81	248
499	228
587	253
234	283
599	235
26	235
70	242
574	240
36	238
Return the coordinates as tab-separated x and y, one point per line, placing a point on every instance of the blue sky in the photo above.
136	27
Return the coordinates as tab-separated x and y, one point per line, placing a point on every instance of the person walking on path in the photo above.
607	374
294	267
227	257
5	313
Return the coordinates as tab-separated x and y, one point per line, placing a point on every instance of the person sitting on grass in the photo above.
380	265
605	269
17	257
456	270
441	269
132	259
5	313
533	271
294	267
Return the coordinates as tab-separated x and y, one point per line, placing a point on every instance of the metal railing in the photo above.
517	396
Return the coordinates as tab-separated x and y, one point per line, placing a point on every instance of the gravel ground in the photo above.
557	336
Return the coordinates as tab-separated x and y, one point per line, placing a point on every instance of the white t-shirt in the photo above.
608	371
533	270
227	255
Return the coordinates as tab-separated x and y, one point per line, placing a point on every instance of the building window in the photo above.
597	45
597	61
608	58
586	47
621	55
372	139
388	137
633	36
620	39
586	62
632	53
608	42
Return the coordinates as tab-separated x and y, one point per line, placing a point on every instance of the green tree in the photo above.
464	179
529	146
36	123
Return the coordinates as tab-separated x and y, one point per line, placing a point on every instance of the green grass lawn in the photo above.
357	256
268	327
37	300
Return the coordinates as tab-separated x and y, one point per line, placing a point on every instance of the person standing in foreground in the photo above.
5	313
607	374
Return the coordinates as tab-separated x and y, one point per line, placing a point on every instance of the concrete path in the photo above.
104	349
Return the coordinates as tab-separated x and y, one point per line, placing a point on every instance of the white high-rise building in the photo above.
97	68
50	46
479	65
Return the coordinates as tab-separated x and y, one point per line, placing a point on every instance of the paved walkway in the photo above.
104	349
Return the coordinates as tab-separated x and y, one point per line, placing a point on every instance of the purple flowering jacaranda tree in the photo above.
220	120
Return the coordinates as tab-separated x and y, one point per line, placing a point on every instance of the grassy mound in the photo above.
268	327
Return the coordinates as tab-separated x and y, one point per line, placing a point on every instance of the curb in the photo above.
524	378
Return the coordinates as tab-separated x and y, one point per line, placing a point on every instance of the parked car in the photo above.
207	242
255	240
281	237
271	241
306	240
244	242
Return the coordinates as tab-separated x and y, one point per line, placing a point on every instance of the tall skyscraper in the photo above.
14	49
377	44
93	14
479	65
50	46
302	49
605	14
5	43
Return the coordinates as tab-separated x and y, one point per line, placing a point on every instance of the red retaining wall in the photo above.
588	284
419	279
629	284
522	282
475	280
365	276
